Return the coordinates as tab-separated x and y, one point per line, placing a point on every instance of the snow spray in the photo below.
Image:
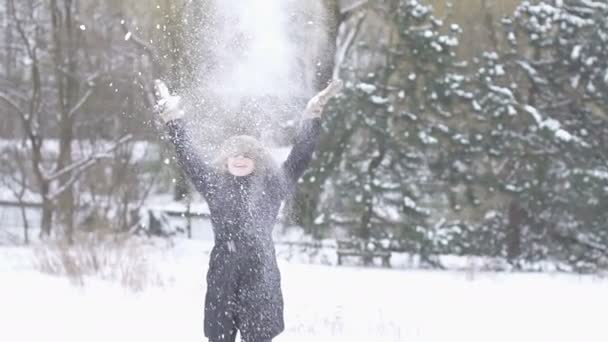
259	65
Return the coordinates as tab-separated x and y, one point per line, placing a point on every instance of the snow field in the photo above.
322	303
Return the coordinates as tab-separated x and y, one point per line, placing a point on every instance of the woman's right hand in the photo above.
167	106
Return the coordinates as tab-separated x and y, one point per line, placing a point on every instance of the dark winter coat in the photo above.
243	281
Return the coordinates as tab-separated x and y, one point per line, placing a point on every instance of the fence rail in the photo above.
14	204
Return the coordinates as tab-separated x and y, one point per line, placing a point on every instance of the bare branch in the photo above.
93	158
80	102
82	166
140	43
348	42
12	92
5	97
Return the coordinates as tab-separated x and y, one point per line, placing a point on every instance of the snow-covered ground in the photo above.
323	303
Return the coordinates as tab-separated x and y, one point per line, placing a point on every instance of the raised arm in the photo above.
301	153
169	110
198	171
308	135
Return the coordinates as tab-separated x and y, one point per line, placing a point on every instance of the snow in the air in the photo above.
255	48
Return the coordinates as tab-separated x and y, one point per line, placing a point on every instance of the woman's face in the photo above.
240	166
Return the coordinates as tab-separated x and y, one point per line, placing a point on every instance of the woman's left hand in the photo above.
314	108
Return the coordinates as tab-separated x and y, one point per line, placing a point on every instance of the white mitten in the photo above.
315	106
167	105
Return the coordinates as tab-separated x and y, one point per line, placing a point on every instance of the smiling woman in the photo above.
243	152
240	166
244	189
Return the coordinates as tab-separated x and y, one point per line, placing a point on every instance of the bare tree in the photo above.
56	86
15	180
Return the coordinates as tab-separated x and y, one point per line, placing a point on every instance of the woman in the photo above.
243	188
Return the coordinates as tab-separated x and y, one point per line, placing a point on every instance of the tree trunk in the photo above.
67	97
26	226
47	219
181	189
365	232
514	231
326	66
8	40
304	206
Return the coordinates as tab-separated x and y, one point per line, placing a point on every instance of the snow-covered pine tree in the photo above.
385	133
542	120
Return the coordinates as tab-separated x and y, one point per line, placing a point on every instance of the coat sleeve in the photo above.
301	153
198	171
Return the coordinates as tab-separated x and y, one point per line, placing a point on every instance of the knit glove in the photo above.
167	106
314	108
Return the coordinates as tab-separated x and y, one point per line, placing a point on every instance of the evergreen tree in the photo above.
385	133
541	117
